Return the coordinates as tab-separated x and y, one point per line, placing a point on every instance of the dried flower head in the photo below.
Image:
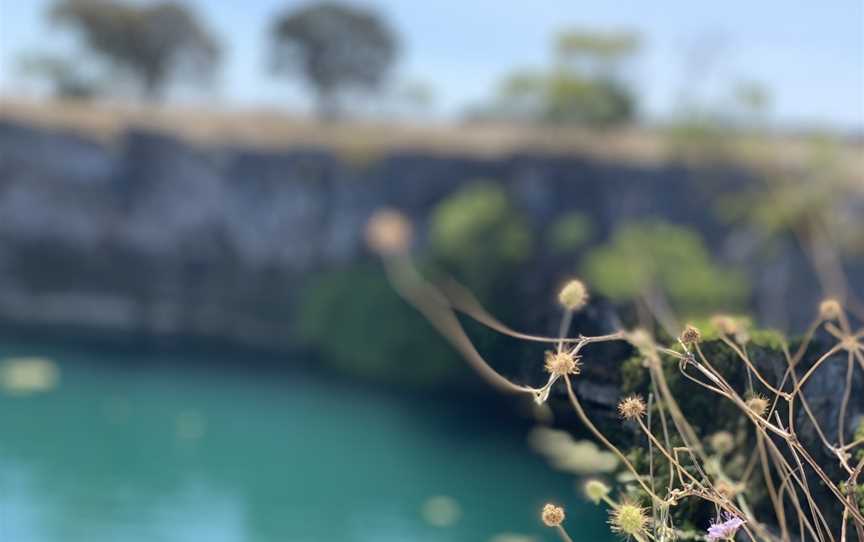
632	407
728	489
725	324
388	232
722	442
830	309
596	490
562	363
691	335
628	519
552	515
758	404
573	295
724	528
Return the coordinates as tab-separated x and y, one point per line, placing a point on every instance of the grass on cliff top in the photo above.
366	140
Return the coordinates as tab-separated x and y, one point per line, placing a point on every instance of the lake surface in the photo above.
126	449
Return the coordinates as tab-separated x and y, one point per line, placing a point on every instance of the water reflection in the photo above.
132	449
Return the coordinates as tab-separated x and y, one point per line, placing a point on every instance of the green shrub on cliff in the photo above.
644	258
477	233
570	232
334	318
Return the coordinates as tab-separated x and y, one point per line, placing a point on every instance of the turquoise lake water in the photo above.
127	450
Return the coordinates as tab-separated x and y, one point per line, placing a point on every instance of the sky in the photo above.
809	54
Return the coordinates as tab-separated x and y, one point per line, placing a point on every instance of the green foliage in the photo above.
570	232
646	257
584	85
334	48
395	344
633	374
152	42
599	102
608	47
477	232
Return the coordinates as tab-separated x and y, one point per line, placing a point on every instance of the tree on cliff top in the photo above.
586	83
335	48
152	44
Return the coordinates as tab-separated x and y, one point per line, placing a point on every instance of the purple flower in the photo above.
725	529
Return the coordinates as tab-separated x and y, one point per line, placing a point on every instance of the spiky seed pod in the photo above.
574	295
596	490
388	232
758	404
552	515
691	335
830	309
628	519
632	407
562	363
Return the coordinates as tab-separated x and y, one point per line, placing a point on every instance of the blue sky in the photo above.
810	54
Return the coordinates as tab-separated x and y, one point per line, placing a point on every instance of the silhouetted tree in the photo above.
152	43
335	48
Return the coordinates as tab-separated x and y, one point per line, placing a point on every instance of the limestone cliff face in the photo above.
154	237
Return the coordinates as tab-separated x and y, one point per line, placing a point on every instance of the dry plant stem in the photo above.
665	428
847	390
814	239
460	299
808	411
658	307
716	498
820	522
426	299
851	483
678	419
836	348
779	512
651	459
563	534
565	325
793	487
793	443
744	357
611	447
803	521
798	452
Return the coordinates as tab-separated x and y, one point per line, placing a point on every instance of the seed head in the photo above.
562	363
388	232
830	309
725	324
628	519
632	407
552	515
758	404
722	442
691	335
596	490
727	489
574	295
